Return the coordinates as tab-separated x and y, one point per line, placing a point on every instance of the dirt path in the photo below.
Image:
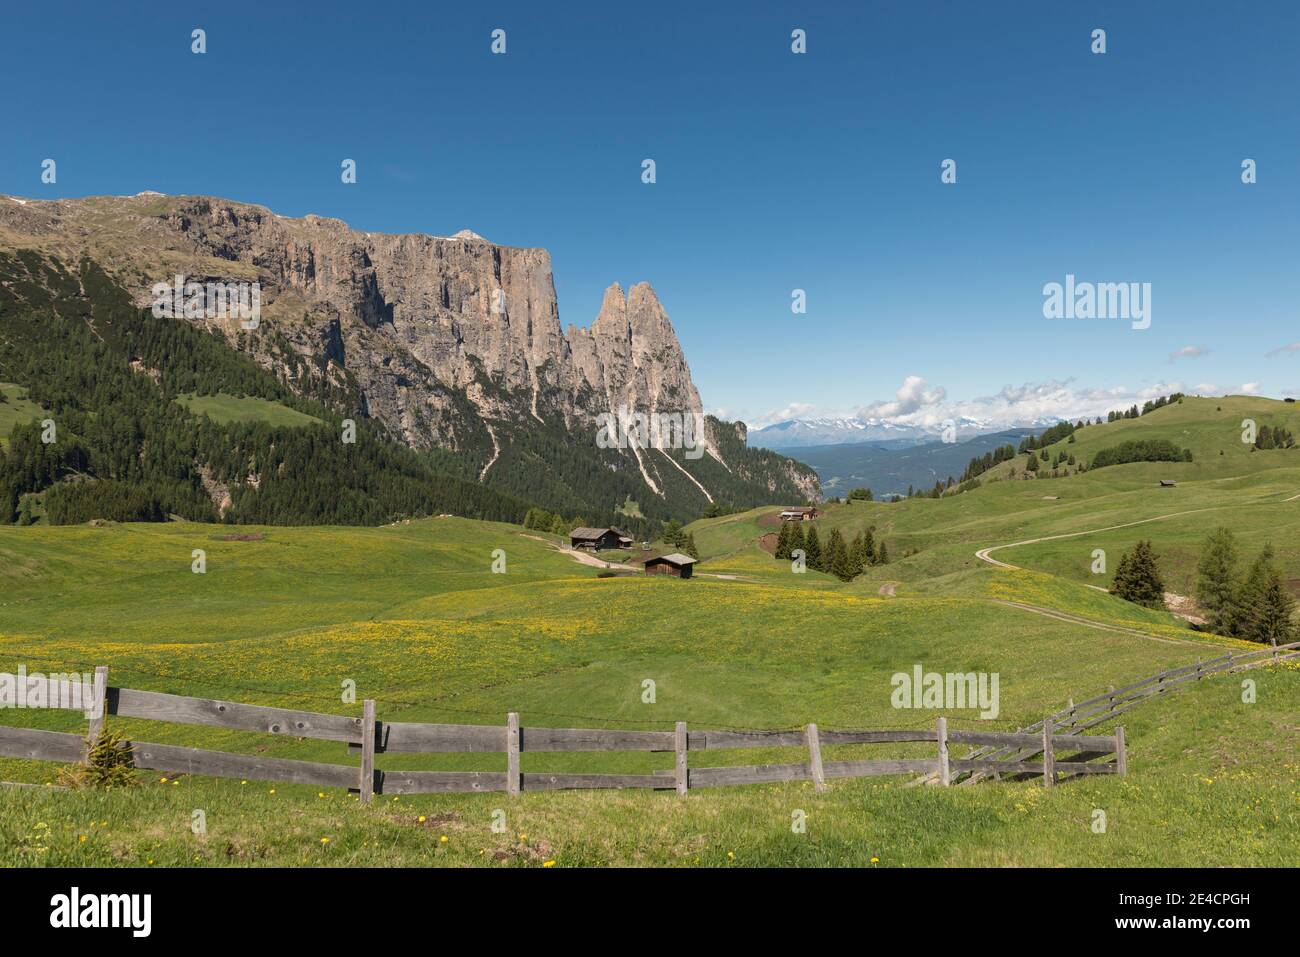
1089	623
584	558
984	555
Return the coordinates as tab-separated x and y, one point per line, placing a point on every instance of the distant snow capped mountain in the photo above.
800	433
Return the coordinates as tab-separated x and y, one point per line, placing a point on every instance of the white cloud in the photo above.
925	407
1289	349
911	398
796	410
1188	352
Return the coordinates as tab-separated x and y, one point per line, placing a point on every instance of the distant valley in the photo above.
893	466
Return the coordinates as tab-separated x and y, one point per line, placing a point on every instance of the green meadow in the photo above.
224	409
16	409
415	616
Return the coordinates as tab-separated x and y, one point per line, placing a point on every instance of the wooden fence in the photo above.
367	736
1106	707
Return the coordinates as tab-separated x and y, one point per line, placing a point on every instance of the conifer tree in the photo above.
690	546
882	553
858	556
837	556
1264	608
1217	583
1137	579
796	538
783	542
813	549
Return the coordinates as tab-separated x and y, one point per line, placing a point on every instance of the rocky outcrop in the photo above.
433	332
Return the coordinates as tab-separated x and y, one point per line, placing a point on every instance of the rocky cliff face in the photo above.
442	338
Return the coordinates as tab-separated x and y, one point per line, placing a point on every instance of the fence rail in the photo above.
1115	702
367	736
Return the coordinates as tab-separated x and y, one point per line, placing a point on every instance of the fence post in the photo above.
1049	760
1121	755
98	708
367	750
815	757
512	754
945	777
680	774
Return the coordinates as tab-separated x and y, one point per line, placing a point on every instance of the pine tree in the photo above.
1217	583
690	546
1264	607
858	556
837	556
813	549
1137	579
783	542
796	538
882	553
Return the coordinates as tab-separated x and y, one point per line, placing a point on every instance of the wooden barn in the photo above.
799	514
674	564
597	539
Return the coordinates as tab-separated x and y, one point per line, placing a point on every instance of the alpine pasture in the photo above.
414	615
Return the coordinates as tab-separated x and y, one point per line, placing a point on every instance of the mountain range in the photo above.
844	430
449	347
891	468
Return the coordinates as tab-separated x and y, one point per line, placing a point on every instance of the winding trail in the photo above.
984	554
1089	623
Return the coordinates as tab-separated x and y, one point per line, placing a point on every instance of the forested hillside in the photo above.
128	444
108	373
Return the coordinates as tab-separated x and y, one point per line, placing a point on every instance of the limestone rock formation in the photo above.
442	338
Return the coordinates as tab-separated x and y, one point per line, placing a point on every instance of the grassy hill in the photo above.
224	408
16	409
1210	427
413	613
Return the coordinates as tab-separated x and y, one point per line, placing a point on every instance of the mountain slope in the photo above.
451	346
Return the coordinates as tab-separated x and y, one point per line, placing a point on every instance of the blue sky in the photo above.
775	171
